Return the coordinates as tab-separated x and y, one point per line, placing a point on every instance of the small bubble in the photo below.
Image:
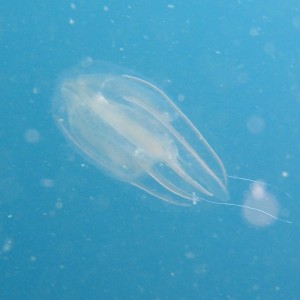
261	207
58	205
32	136
255	124
7	246
190	255
254	31
35	90
180	98
47	183
32	258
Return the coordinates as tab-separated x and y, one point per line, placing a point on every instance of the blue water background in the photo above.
69	232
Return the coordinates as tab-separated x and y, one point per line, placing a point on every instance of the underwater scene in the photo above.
150	150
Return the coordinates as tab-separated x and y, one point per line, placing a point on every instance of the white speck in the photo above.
71	21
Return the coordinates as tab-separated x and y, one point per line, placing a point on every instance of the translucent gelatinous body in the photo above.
132	130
